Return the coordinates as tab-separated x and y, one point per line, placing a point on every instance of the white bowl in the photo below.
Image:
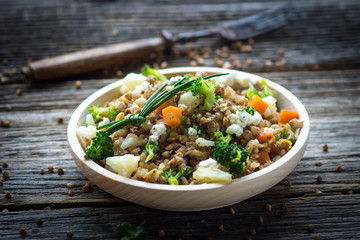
188	197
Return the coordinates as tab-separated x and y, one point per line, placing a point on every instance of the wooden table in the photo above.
322	53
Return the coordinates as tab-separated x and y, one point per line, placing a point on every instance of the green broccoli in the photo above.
232	156
150	149
125	231
172	175
98	112
112	112
222	147
101	147
147	71
200	85
266	90
237	164
219	135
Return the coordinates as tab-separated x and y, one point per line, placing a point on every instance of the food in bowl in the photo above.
188	129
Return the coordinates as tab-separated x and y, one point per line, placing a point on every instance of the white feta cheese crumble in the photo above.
156	131
189	100
131	81
131	140
240	120
123	165
208	172
88	132
202	142
192	131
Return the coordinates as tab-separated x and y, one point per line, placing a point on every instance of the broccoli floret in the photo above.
95	112
223	152
266	90
150	150
232	156
101	147
222	149
147	71
238	162
98	112
112	112
172	176
200	85
220	136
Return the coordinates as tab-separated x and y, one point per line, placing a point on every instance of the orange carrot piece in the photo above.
259	105
263	157
172	116
265	135
286	116
161	107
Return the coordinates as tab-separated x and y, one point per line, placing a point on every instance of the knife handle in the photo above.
92	59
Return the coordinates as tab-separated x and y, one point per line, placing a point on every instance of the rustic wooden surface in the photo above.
327	35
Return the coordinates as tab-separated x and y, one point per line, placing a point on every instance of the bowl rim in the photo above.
76	147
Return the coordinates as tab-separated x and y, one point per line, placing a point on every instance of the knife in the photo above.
102	57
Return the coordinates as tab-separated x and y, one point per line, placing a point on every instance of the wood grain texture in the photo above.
291	223
326	34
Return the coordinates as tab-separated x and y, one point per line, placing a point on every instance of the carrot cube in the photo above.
286	116
258	104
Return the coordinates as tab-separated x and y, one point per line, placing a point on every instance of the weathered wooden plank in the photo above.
307	86
329	214
326	33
